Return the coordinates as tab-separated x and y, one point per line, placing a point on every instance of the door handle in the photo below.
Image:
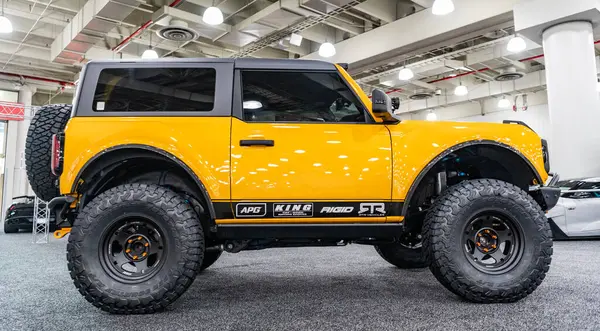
251	142
570	208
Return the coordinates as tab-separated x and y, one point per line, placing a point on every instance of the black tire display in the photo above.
135	249
488	241
402	256
48	120
210	257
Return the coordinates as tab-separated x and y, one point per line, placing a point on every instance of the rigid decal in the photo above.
250	209
372	209
292	210
337	210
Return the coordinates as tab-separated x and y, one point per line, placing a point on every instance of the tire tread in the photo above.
181	275
48	120
437	228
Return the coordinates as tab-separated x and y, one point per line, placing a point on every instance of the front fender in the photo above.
418	144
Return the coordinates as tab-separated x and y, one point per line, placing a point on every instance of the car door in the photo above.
304	149
582	209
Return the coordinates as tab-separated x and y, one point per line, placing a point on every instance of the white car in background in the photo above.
577	213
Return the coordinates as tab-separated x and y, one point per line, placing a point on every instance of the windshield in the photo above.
570	184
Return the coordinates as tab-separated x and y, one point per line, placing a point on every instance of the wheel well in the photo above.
143	165
474	161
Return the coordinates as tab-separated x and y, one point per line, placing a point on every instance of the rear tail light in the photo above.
56	158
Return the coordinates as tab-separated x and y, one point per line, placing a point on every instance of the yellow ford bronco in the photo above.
160	166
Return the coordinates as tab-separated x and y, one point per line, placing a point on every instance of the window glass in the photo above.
155	90
314	97
568	184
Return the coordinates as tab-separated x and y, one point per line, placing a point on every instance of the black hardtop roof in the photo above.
242	63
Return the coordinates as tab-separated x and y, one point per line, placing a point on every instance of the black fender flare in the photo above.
453	149
92	167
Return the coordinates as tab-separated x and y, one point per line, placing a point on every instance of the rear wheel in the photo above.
48	120
488	241
135	249
10	229
407	253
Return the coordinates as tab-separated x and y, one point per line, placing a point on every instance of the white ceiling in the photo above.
53	38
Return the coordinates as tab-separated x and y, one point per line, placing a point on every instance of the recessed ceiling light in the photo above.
406	74
212	16
442	7
5	25
516	45
431	116
327	50
504	103
149	54
461	90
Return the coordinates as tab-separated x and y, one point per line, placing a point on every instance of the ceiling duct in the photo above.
508	74
421	95
177	30
495	34
88	27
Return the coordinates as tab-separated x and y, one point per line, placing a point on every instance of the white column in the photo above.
573	99
20	183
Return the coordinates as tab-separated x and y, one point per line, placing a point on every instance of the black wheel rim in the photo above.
133	250
493	242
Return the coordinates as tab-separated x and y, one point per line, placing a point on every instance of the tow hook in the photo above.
59	234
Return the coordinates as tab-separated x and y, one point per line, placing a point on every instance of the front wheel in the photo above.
488	241
135	249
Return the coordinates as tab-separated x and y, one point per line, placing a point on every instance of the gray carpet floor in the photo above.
342	288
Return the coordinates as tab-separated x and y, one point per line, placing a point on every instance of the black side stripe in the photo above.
306	209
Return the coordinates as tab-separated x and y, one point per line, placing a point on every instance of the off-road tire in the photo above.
401	256
184	241
48	120
210	257
444	226
9	229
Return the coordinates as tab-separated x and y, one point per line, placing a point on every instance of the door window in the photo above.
307	97
155	90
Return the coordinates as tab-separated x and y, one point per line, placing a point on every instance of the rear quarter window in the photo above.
155	90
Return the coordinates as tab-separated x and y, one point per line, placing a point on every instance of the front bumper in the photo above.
548	195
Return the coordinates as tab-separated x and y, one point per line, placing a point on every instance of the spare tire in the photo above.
48	120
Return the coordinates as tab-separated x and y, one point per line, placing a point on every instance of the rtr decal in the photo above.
292	210
372	209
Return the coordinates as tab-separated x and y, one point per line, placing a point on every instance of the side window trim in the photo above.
223	88
238	111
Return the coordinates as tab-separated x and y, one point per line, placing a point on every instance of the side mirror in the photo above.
383	106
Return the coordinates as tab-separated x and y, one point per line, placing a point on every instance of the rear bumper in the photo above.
60	201
58	207
20	222
23	222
